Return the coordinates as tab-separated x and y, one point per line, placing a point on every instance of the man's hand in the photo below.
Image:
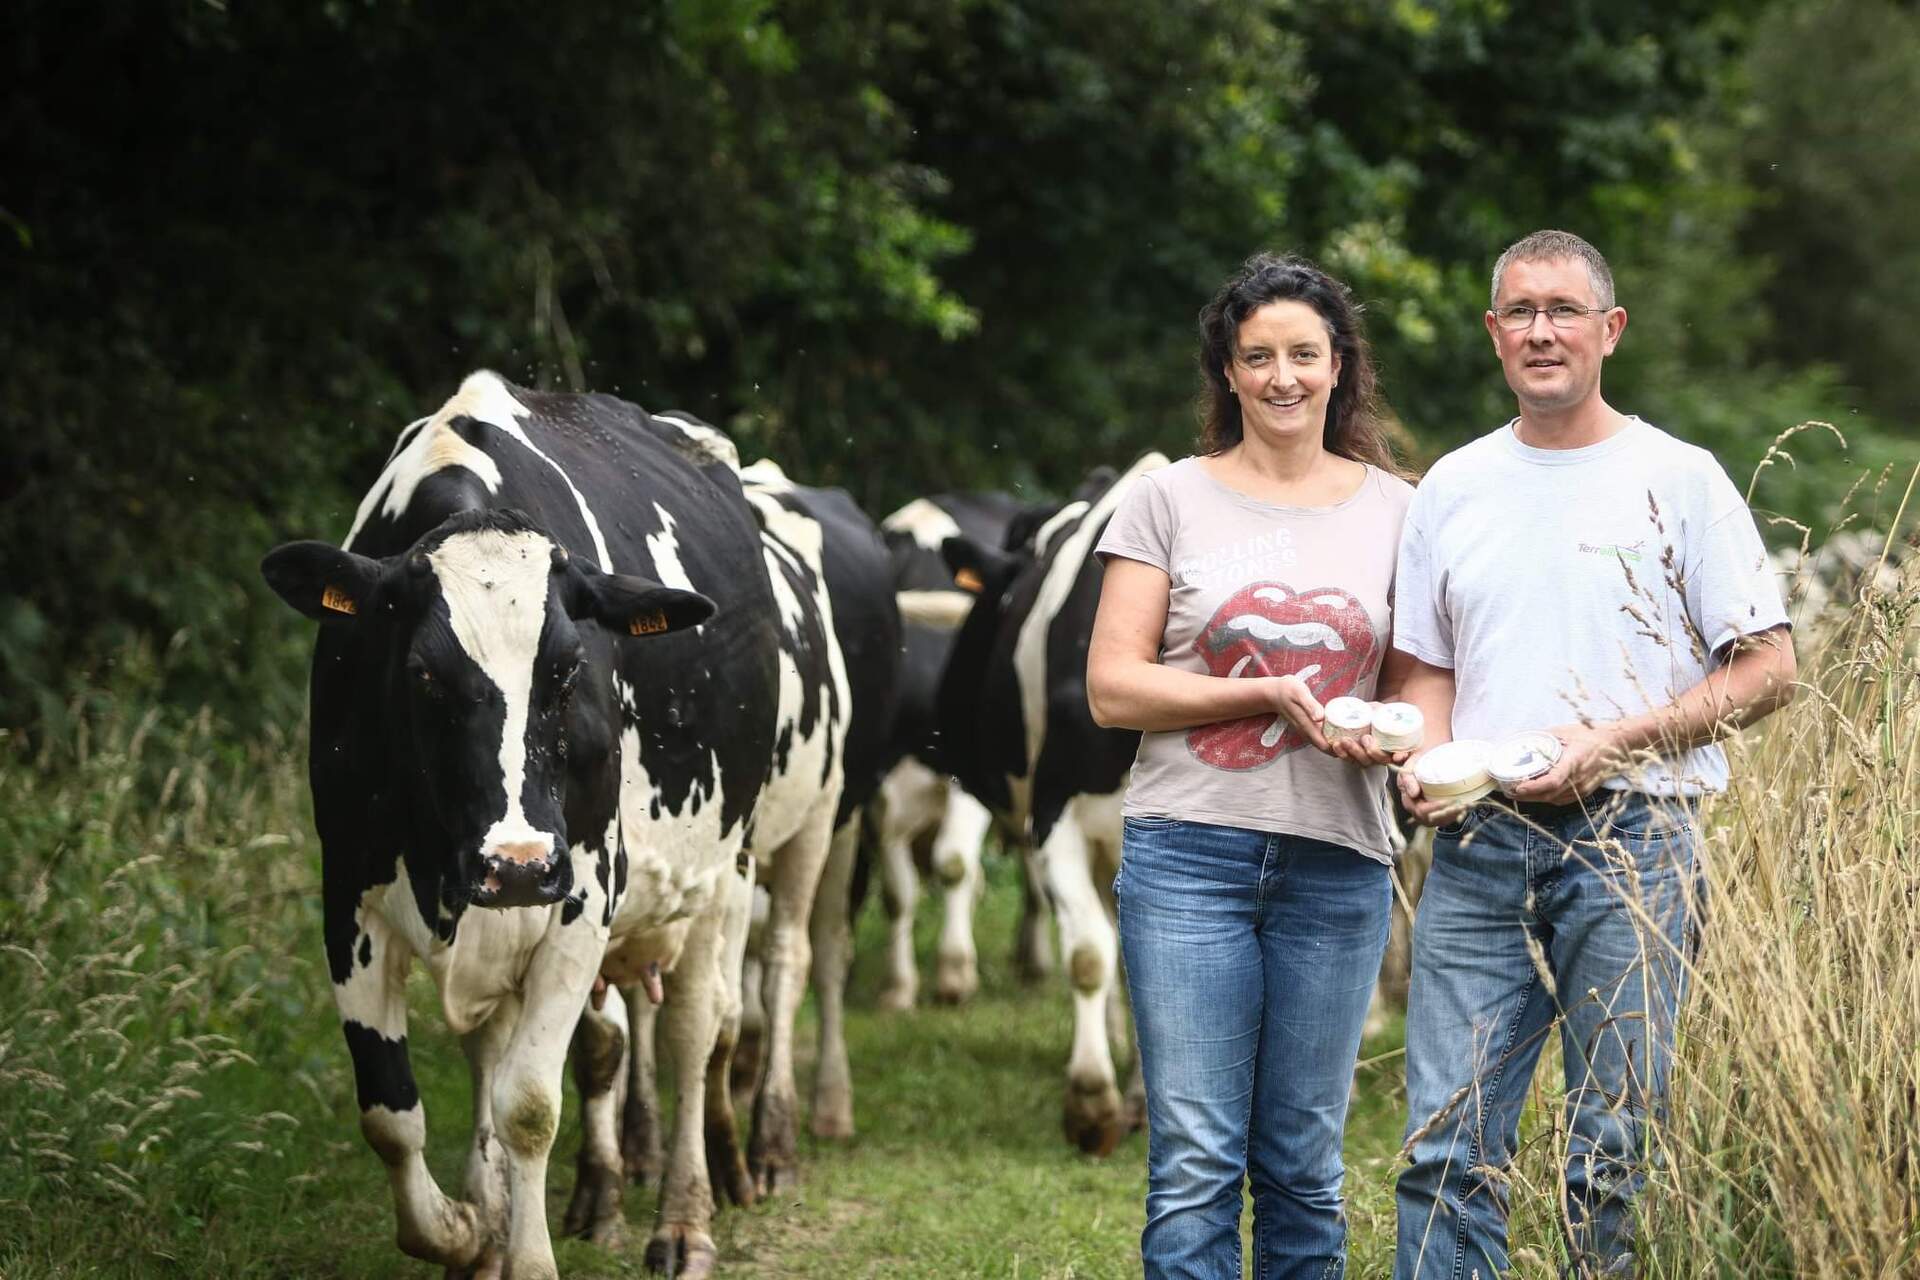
1589	755
1428	813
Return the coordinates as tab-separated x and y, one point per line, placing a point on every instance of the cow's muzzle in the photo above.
526	874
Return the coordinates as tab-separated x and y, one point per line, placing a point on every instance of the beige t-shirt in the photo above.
1259	589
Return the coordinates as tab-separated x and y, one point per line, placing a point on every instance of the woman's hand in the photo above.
1298	707
1364	751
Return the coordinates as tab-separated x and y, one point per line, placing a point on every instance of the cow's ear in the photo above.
321	581
978	569
630	605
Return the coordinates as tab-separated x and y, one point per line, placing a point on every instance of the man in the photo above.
1579	571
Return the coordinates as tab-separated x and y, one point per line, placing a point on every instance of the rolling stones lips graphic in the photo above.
1323	636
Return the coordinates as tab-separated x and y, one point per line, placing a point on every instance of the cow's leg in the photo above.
908	795
527	1085
956	860
487	1158
373	1015
689	1023
832	935
726	1162
774	1149
1032	944
1088	942
600	1173
640	1125
750	1046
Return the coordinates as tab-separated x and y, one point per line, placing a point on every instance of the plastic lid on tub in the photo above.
1457	768
1351	716
1398	726
1523	756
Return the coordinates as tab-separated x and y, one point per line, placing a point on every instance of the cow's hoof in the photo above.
833	1114
955	979
777	1179
594	1212
492	1266
897	997
727	1168
681	1251
1135	1114
1093	1118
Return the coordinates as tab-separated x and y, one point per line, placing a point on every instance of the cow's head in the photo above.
484	633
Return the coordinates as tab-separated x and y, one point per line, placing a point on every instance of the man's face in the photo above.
1553	369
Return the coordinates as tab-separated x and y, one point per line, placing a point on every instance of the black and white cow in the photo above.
1016	731
920	819
840	658
545	707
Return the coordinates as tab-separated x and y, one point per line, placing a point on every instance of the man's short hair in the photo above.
1548	246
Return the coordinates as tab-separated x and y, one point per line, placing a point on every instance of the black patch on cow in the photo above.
570	909
924	651
382	1074
982	732
366	950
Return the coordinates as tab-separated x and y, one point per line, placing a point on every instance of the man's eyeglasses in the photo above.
1561	315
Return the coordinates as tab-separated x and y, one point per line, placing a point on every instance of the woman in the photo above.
1244	587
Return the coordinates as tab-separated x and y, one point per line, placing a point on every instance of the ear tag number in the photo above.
968	580
648	624
337	600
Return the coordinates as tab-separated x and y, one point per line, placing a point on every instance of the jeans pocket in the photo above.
1150	822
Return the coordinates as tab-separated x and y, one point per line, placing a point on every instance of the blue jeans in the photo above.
1250	960
1583	916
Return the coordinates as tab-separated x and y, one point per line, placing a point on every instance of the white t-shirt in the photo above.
1258	589
1569	584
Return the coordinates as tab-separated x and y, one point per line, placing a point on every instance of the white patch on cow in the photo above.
676	862
938	610
433	446
1030	647
485	398
924	522
664	548
766	474
702	439
789	537
495	585
1055	522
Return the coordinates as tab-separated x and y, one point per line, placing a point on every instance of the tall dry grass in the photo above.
1791	1141
155	905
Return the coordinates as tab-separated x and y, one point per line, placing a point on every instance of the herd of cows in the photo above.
599	718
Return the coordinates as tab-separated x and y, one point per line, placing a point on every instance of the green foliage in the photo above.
902	245
1827	146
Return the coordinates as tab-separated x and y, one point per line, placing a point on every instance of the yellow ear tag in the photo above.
337	600
968	580
649	624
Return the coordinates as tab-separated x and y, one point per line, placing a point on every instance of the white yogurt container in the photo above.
1348	720
1398	726
1521	758
1456	771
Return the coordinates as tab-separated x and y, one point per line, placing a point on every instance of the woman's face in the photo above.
1283	371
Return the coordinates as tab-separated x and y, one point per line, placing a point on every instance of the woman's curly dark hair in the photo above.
1354	417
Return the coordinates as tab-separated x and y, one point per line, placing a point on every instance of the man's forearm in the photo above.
1756	680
